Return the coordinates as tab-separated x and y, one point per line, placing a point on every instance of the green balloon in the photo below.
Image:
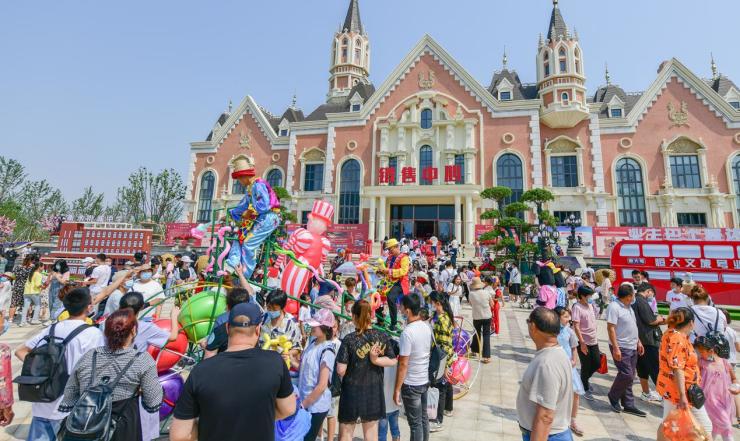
197	314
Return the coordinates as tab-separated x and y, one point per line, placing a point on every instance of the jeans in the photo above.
562	436
590	363
415	403
27	300
390	421
482	329
622	388
43	429
317	420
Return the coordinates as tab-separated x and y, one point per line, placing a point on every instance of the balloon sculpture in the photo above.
281	345
169	356
460	341
258	215
172	384
199	312
459	372
310	247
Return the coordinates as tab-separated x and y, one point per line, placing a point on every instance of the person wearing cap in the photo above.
317	365
545	398
237	394
257	215
150	288
397	270
185	273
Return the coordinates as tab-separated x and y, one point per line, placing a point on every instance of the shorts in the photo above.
515	289
334	411
648	364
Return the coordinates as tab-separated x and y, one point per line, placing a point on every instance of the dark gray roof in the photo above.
341	105
520	91
605	94
557	24
292	115
352	22
221	120
721	85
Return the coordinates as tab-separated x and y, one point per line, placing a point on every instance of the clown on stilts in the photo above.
257	215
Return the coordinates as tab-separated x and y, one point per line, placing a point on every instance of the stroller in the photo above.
529	296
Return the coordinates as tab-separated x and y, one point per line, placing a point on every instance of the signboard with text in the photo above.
351	237
452	174
606	238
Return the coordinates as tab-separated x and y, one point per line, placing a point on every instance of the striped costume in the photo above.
310	249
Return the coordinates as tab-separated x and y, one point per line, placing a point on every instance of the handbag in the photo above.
696	397
603	365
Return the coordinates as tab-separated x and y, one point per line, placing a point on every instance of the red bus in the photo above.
714	264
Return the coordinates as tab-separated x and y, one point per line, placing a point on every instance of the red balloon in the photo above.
291	307
167	359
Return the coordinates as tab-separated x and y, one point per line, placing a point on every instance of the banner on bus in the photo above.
605	238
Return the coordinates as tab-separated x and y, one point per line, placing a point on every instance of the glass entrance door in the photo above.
422	221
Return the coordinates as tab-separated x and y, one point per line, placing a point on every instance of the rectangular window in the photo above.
735	104
460	162
687	251
719	252
563	66
655	251
685	171
692	219
393	164
304	217
356	107
616	113
564	170
504	96
562	216
313	179
631	250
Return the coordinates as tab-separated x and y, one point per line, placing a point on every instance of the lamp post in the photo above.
573	222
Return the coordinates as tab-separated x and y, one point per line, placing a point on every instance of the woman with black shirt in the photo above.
360	362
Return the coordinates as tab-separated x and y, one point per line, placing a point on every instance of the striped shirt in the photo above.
141	375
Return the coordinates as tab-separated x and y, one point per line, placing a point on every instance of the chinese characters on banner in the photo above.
605	238
351	237
685	263
387	175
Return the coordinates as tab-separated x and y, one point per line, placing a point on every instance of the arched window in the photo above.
736	181
237	187
426	119
630	193
207	186
345	43
358	52
509	173
425	160
578	61
565	98
546	64
562	60
275	178
349	192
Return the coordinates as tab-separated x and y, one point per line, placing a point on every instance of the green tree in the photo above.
37	200
12	176
89	206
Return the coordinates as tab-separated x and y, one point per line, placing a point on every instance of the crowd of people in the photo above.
350	359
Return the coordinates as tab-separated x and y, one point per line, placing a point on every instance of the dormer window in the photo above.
505	89
355	103
284	128
504	96
615	112
733	98
735	104
283	132
356	107
615	107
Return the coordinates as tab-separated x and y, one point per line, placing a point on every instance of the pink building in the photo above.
411	155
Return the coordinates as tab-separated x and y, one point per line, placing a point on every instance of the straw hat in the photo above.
477	283
243	166
390	243
603	273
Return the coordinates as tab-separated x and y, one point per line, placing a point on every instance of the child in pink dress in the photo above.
717	380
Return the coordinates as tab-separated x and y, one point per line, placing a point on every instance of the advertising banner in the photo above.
586	236
351	237
179	231
605	238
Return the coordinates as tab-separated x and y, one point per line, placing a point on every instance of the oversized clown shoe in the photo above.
310	247
257	215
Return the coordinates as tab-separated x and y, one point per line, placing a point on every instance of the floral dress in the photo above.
21	276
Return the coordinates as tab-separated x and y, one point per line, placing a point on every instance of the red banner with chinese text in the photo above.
605	238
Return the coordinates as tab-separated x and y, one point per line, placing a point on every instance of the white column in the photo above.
329	162
470	163
381	218
469	221
458	220
371	221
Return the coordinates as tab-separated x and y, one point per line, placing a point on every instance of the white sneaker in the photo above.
655	396
650	396
448	413
435	427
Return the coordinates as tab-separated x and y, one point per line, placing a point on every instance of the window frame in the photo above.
313	178
692	219
269	174
426	148
426	118
349	198
680	180
501	95
570	173
630	193
204	212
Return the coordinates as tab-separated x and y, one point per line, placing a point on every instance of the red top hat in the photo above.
323	210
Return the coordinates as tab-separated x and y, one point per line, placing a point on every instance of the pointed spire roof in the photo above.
352	22
557	23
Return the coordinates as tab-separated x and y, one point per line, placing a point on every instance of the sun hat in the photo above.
477	283
390	243
323	317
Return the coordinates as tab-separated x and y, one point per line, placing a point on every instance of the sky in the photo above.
91	90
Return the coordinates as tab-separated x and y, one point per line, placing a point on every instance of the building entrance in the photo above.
422	221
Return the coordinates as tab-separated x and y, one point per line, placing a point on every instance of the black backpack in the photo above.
335	382
91	417
722	347
437	362
44	373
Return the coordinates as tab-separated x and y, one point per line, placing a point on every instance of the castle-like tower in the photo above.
350	60
560	75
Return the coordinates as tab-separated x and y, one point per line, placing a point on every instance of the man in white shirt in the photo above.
412	378
100	276
149	288
46	418
675	297
435	243
446	276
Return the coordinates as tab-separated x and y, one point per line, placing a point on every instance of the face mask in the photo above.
145	276
590	301
129	284
273	314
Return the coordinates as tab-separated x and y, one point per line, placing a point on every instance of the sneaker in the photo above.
634	411
588	396
435	427
615	406
448	413
35	322
21	324
651	396
46	323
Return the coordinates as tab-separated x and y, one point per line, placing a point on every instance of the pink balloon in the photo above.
459	372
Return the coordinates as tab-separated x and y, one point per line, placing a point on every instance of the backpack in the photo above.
91	416
723	345
437	362
335	382
44	373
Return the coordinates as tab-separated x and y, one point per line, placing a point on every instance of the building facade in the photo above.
412	155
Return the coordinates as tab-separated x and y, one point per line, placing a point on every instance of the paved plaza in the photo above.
488	411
